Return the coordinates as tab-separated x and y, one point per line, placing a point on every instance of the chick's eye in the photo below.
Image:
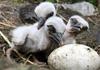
74	21
49	15
51	29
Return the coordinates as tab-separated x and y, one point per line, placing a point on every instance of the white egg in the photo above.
74	57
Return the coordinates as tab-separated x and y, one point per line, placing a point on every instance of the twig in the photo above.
2	45
57	5
5	18
7	21
23	57
7	25
27	59
91	20
5	38
4	51
1	27
63	18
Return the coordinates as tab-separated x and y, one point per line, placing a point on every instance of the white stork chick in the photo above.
19	35
43	11
28	39
74	57
75	25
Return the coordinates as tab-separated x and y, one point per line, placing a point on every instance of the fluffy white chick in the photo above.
19	35
75	25
27	39
43	11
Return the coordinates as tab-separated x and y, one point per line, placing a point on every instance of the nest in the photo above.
9	19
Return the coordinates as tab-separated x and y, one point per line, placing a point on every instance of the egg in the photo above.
74	57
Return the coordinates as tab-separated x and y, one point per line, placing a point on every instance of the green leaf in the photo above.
51	0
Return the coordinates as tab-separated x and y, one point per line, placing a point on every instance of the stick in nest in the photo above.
7	25
5	38
63	18
26	60
20	56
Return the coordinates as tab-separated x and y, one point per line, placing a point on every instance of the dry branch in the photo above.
23	57
5	38
63	18
7	25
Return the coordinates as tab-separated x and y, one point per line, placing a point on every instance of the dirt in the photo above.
9	17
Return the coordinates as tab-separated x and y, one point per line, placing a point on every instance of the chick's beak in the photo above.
76	27
40	19
41	22
57	37
84	28
36	17
79	27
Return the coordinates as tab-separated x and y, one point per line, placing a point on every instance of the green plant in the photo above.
94	2
51	1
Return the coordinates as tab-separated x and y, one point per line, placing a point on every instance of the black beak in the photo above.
79	28
41	22
84	28
57	38
40	19
36	17
76	28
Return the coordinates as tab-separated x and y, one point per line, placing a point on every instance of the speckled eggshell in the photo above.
74	57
